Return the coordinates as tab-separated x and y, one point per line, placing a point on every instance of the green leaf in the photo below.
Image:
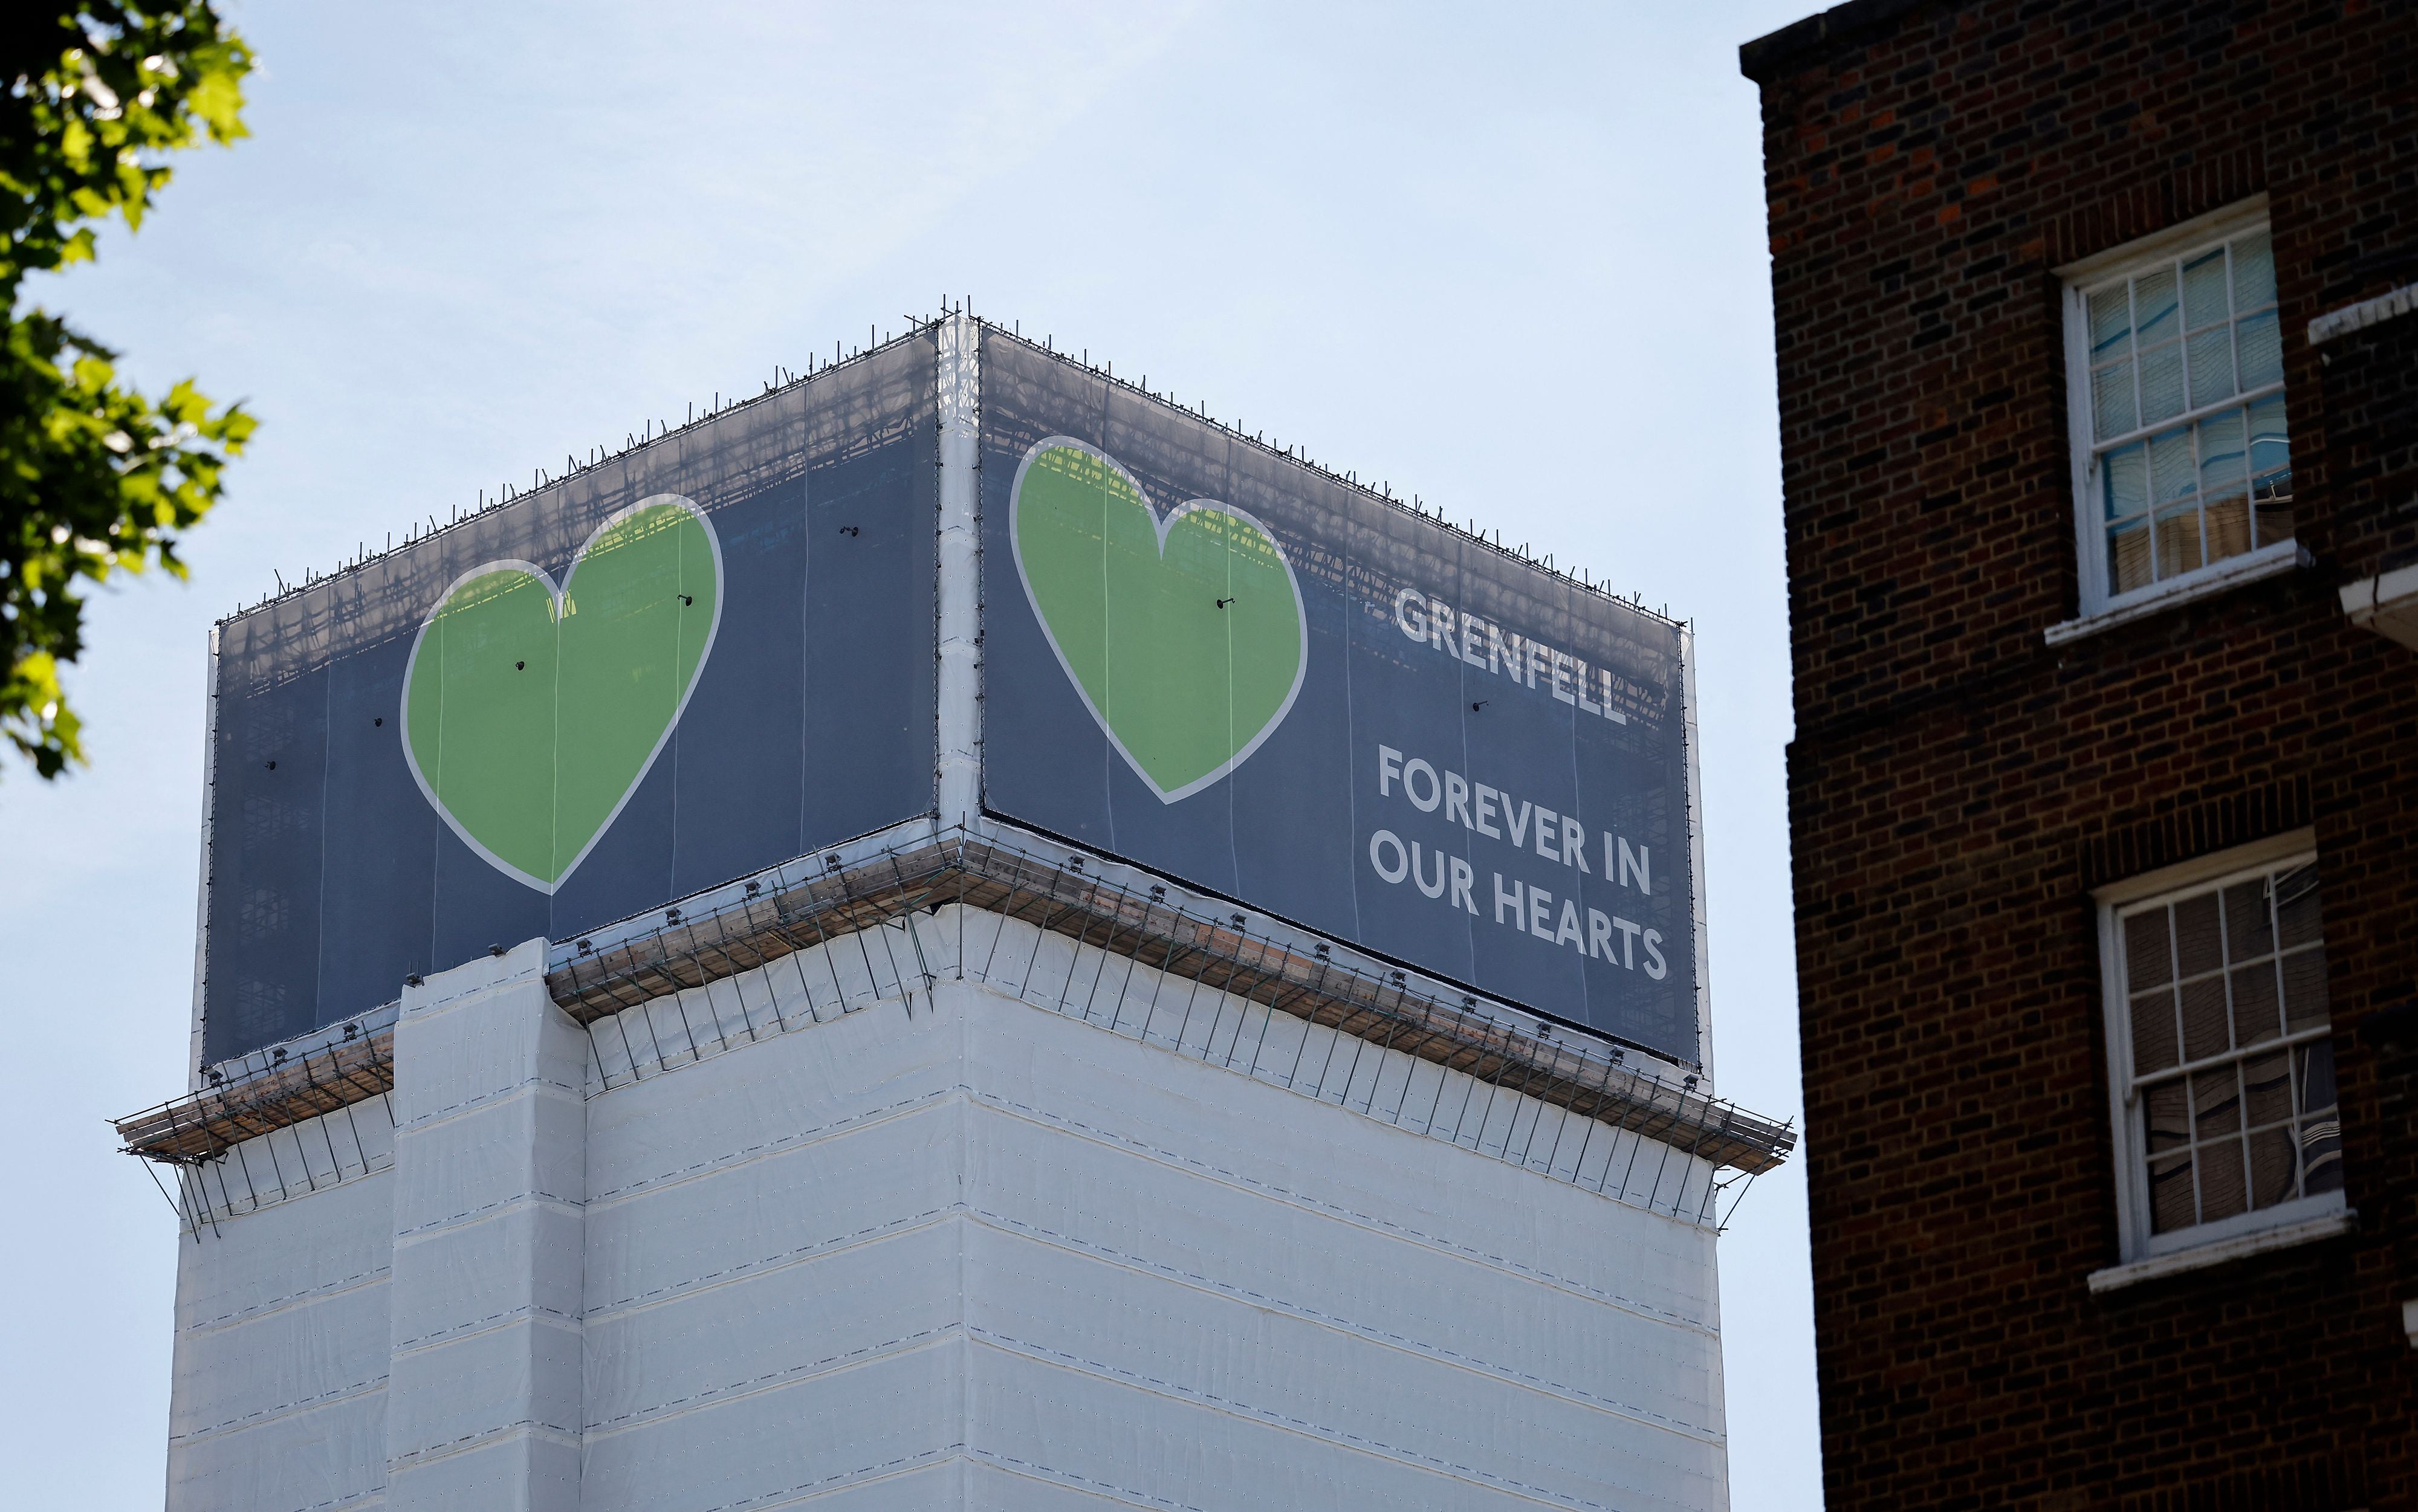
94	479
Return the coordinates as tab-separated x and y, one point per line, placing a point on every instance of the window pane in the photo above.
2224	505
2270	444
2274	1168
2321	1160
2153	308
2313	1080
2272	522
2177	533
2111	400
2267	1086
2170	1193
2212	365
2222	451
2128	556
2199	947
2305	990
2228	525
2172	468
2154	1032
2270	470
2216	1104
2203	1016
2254	271
2262	351
2111	322
2221	1193
2248	930
2320	1130
2124	479
2162	382
2204	301
2254	1019
2146	962
2296	906
2167	1109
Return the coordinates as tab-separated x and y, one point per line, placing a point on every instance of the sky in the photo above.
1508	258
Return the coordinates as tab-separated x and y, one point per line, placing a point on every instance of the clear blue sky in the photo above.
1511	258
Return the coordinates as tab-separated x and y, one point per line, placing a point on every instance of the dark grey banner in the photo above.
1218	663
695	661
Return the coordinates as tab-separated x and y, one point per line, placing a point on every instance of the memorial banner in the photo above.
1215	662
702	657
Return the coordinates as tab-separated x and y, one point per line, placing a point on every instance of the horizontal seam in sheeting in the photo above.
1367	1220
455	1333
1577	1395
305	1404
414	1458
841	1479
1536	1114
418	1230
771	1380
604	1312
1284	1422
770	1147
375	1495
317	1294
1031	1471
418	1123
438	1007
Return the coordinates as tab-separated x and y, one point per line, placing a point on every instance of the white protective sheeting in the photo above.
895	964
947	1251
483	1383
294	1161
774	1269
281	1363
1343	1289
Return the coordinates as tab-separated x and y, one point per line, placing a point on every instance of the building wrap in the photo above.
958	936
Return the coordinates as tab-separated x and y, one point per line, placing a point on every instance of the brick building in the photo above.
2098	359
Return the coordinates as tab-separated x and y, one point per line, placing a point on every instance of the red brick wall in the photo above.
1958	785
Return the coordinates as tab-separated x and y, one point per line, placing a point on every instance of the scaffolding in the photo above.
869	929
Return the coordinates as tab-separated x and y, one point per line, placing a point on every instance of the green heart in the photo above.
1186	635
529	715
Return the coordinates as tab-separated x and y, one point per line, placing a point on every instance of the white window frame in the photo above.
2140	1244
2099	609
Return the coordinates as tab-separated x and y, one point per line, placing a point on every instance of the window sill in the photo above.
2386	604
2267	561
2222	1251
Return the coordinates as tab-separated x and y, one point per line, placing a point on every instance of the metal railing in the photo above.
828	935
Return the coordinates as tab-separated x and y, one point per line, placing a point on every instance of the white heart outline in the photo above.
1301	611
721	581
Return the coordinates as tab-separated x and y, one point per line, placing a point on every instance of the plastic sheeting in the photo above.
281	1353
948	1251
1064	975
